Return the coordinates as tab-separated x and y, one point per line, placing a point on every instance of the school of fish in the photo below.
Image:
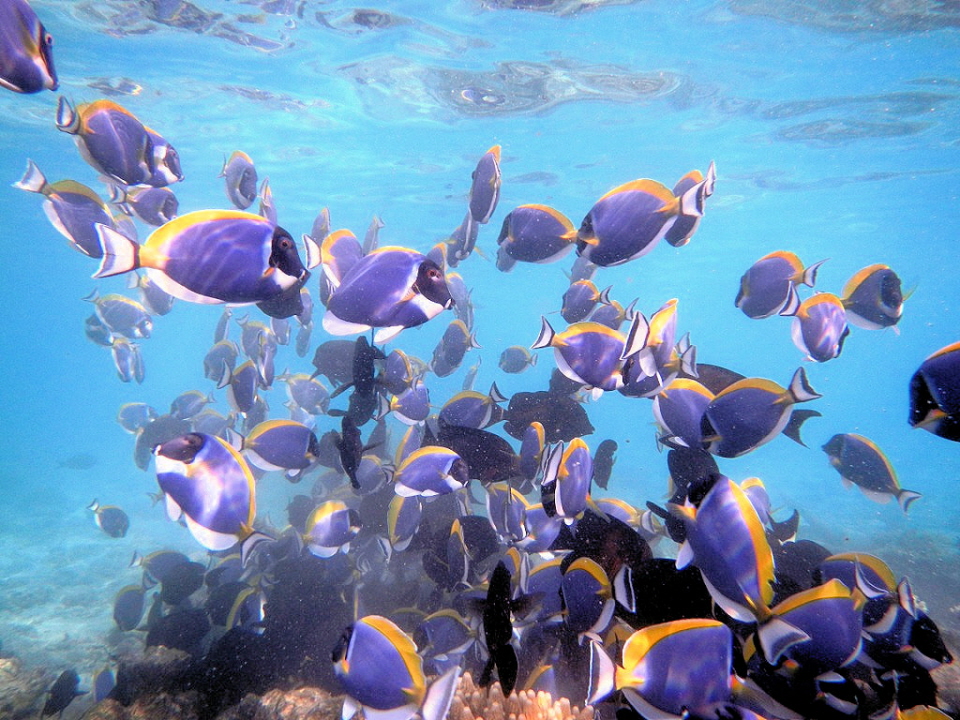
439	543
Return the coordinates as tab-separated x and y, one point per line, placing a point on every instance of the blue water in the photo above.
834	127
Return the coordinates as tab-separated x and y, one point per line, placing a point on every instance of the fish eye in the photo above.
48	39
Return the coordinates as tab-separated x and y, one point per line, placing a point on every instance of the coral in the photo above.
303	703
21	691
473	703
159	706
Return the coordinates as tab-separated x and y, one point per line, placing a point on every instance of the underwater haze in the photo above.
834	127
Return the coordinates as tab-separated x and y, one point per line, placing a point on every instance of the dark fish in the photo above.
873	298
498	631
111	519
603	460
180	582
180	630
562	417
62	693
334	360
489	457
350	448
128	607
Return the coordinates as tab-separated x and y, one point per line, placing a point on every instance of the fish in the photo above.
350	449
26	57
62	693
286	446
587	598
829	621
127	360
769	286
457	339
860	462
604	459
569	479
562	417
330	529
587	353
683	228
820	327
498	632
240	179
72	208
935	394
307	393
485	186
534	234
431	470
580	299
208	483
403	520
658	359
152	205
411	406
473	409
532	445
242	384
726	541
133	417
334	360
111	519
488	457
181	581
515	359
220	359
670	668
678	410
751	412
188	405
116	144
380	670
390	289
628	222
122	315
873	298
128	606
214	256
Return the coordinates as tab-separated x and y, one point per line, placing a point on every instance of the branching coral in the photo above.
473	703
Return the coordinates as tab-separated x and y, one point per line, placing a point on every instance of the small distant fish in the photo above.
62	693
516	359
128	606
80	461
457	339
330	528
684	227
240	177
485	188
935	395
26	50
580	299
860	462
152	205
111	519
431	470
603	460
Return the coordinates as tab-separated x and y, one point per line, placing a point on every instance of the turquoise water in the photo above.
834	127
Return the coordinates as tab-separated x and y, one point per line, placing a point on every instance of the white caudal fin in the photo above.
311	249
120	253
33	180
800	387
545	338
439	695
68	120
